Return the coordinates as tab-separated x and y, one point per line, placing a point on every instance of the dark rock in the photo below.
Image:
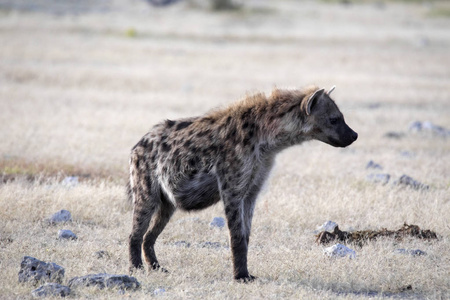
182	244
394	135
101	254
161	2
372	165
61	216
218	222
410	182
102	281
214	245
35	271
65	234
51	290
412	252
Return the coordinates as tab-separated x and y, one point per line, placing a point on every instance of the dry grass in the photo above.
78	90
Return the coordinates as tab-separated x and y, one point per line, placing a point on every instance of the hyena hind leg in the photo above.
166	211
142	215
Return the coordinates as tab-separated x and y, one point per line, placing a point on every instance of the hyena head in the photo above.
325	121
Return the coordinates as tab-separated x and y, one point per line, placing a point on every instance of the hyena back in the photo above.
224	155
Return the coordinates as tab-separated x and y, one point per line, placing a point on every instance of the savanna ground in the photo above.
82	81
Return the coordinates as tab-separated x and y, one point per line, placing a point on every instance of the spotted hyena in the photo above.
224	155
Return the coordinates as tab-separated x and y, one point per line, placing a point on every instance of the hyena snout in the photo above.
345	136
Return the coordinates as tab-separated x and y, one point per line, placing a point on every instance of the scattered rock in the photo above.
101	254
339	250
102	281
214	245
161	2
36	271
374	105
428	127
410	182
60	217
361	237
382	178
51	289
407	154
65	234
70	181
327	226
182	244
372	165
218	222
412	252
159	291
394	135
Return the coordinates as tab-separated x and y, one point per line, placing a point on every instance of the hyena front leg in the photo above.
239	208
238	239
162	218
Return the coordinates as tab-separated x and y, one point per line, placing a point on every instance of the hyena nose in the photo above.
354	136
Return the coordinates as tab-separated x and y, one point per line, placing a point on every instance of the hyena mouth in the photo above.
342	143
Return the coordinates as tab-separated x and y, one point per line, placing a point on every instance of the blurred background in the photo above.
82	81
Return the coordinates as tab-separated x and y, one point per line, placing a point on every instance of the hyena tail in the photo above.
129	194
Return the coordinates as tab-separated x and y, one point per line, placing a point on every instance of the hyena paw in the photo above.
245	278
157	267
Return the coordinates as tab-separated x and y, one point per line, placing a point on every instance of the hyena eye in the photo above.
334	121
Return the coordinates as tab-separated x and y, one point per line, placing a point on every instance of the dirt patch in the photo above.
361	237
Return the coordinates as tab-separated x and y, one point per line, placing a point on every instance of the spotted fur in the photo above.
225	155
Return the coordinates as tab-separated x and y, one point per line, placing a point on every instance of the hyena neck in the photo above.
269	123
283	123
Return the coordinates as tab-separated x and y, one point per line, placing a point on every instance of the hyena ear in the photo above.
331	90
312	99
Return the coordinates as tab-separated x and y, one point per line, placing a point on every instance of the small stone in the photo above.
374	105
429	127
60	217
412	252
35	271
394	135
415	126
214	245
102	281
101	254
218	222
327	226
382	178
65	234
70	181
51	290
372	165
409	181
159	291
339	250
407	154
182	244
